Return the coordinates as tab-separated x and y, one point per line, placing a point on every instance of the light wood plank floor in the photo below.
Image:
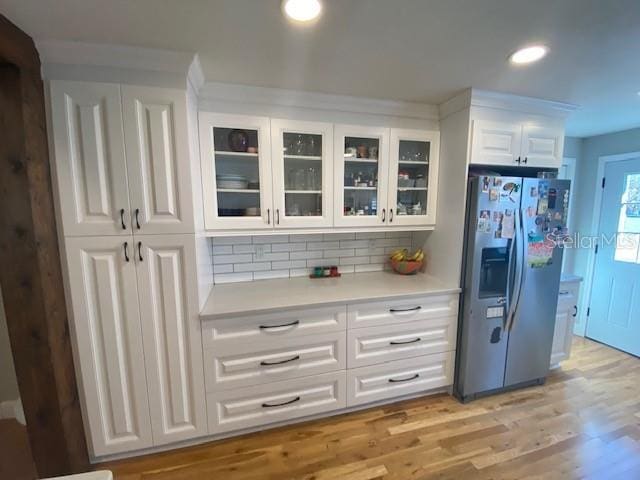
583	423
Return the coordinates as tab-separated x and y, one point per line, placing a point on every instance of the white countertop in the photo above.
268	295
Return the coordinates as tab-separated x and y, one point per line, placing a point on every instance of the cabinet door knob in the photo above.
126	251
137	214
140	251
124	227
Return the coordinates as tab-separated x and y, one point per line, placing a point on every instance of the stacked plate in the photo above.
232	182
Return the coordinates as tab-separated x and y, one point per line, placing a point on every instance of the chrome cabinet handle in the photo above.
400	310
140	251
266	327
289	402
405	342
518	160
393	380
137	215
268	216
525	160
124	226
390	215
384	215
126	251
280	362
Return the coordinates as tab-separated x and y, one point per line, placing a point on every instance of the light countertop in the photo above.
268	295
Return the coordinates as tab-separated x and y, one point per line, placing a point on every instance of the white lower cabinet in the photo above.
106	325
368	346
277	401
402	377
137	331
565	320
167	289
242	364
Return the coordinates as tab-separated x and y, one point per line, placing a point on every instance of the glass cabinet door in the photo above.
413	177
361	169
303	193
235	169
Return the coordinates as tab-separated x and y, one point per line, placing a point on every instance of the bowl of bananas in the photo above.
405	264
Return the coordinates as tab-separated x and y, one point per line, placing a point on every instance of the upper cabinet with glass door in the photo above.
302	173
236	171
361	159
413	177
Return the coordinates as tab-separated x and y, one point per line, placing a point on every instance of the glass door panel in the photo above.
302	173
414	177
361	159
236	180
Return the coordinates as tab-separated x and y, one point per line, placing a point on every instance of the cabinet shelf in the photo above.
235	154
360	160
360	188
314	192
238	190
303	157
412	162
412	189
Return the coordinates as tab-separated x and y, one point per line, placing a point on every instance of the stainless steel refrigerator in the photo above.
511	275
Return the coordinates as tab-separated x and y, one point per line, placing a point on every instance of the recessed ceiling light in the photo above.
302	10
529	54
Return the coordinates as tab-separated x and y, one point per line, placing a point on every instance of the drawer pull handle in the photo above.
288	402
575	311
266	327
398	380
564	292
404	343
280	362
401	310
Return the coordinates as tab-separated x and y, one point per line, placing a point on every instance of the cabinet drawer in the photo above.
263	404
567	298
264	361
393	379
288	324
368	346
407	310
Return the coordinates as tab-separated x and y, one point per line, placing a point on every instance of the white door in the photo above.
361	173
235	161
168	289
496	143
89	163
156	140
302	173
106	325
541	147
614	317
413	177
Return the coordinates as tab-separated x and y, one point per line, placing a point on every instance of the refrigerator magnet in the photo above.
497	216
494	196
484	221
508	224
543	205
551	198
497	182
534	192
485	184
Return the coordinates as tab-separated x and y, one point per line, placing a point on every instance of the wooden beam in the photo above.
30	270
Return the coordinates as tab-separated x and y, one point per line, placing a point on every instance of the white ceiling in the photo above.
415	50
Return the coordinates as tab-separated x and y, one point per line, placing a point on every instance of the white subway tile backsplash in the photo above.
289	247
251	267
248	258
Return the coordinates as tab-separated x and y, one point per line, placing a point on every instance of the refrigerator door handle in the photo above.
521	268
510	285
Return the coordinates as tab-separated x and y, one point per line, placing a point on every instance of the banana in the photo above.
403	255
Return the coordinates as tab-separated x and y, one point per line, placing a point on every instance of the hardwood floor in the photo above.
16	461
583	423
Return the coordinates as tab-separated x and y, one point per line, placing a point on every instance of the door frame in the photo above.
581	327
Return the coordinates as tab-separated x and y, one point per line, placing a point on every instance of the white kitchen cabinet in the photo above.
106	327
515	144
361	175
167	289
565	319
157	151
236	172
302	170
413	177
90	165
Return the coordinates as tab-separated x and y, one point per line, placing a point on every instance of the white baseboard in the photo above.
12	409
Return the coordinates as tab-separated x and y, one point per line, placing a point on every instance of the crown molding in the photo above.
214	91
118	63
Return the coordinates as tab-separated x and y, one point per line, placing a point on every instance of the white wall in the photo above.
8	382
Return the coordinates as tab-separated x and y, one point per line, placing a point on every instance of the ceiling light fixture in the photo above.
529	54
302	10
